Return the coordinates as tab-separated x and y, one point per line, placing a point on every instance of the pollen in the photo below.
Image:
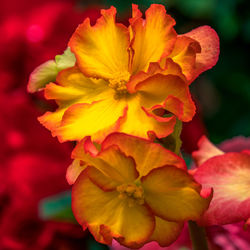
133	193
118	83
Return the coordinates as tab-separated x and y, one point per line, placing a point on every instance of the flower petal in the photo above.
228	175
111	162
171	89
210	48
107	216
165	67
96	119
73	87
173	195
184	54
74	170
42	75
141	123
206	150
153	38
147	155
165	232
52	120
47	72
101	50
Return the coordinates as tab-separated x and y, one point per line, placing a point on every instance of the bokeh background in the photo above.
34	196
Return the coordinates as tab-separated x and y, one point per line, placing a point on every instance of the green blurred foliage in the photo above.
57	207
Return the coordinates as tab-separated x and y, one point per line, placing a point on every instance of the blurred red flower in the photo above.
33	165
33	33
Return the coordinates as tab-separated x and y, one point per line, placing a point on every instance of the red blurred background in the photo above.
32	163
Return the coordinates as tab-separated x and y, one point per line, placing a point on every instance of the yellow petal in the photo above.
166	232
171	89
153	38
52	120
184	54
107	216
72	87
101	50
96	119
111	162
141	123
173	195
147	155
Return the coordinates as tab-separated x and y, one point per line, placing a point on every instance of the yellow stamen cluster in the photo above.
133	193
118	83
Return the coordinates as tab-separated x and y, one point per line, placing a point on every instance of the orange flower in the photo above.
133	190
132	80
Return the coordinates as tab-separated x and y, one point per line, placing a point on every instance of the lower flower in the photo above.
133	191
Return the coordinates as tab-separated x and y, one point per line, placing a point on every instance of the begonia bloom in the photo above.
124	75
228	175
134	191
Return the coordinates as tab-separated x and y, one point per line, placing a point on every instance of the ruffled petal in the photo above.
52	120
111	162
206	150
173	195
72	87
165	67
166	232
101	50
74	170
184	54
228	175
143	123
107	216
96	119
171	89
147	155
210	49
152	38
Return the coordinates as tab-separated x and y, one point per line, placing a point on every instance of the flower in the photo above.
228	175
129	79
134	191
226	237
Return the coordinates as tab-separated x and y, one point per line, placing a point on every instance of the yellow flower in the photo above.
133	190
128	79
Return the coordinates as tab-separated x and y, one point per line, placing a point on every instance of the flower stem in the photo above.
198	236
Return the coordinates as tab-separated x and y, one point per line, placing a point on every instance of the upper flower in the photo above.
132	190
132	80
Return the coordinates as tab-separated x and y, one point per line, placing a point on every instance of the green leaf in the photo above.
57	207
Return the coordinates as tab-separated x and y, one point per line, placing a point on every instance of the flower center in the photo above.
133	193
118	83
